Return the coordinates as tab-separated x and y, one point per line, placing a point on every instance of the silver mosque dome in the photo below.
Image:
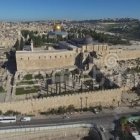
88	39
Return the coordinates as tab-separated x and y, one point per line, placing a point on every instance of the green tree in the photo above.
22	43
138	123
25	33
17	45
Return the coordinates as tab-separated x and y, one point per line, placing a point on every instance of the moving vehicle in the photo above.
25	119
95	110
102	128
66	117
7	119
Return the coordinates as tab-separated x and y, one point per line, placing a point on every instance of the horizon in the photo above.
34	10
46	20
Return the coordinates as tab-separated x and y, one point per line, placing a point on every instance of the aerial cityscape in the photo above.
69	70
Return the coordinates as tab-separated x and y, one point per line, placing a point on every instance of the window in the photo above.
20	58
55	56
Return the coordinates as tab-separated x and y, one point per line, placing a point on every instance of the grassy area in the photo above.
22	91
1	89
28	77
86	76
39	76
26	83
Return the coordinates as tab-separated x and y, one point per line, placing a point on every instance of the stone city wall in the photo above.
118	55
104	98
42	60
129	54
28	61
125	54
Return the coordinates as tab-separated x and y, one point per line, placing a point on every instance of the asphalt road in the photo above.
106	120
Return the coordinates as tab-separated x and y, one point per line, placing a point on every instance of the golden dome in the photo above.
57	27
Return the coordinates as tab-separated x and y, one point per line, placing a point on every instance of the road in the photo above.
101	119
105	120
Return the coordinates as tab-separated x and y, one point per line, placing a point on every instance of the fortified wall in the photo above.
87	99
63	58
126	54
116	54
42	60
45	60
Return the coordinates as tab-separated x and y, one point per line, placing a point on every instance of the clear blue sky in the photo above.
68	9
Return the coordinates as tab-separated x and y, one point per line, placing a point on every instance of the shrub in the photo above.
70	108
28	77
61	110
100	107
0	112
53	111
1	89
39	76
10	112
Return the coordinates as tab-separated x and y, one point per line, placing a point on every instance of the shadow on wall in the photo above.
78	61
10	64
103	81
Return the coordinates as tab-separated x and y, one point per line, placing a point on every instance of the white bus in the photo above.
7	119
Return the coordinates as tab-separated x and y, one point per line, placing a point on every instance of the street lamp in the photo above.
86	101
81	103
